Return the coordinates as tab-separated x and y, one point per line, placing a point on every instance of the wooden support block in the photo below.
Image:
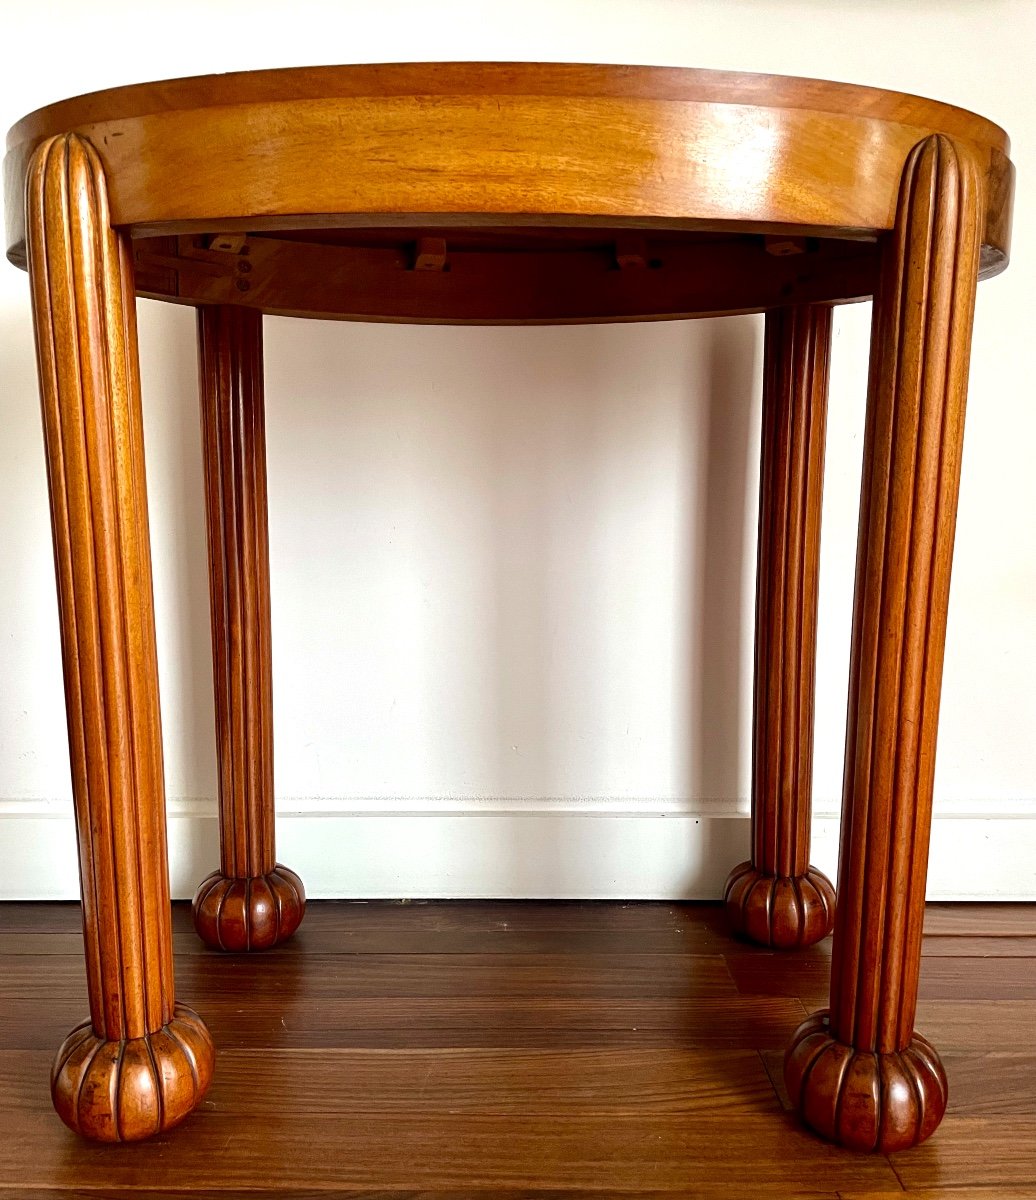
228	243
631	251
431	254
781	247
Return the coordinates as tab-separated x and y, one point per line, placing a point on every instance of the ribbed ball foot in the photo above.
130	1090
785	913
863	1100
249	914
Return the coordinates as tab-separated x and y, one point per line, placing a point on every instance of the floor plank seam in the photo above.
892	1167
543	1082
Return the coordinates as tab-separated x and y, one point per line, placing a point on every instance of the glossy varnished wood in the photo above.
441	923
460	1151
506	193
777	898
592	140
141	1063
426	148
536	1092
861	1074
251	902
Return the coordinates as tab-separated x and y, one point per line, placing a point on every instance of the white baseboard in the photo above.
567	849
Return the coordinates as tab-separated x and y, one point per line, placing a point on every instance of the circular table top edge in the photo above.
684	117
515	78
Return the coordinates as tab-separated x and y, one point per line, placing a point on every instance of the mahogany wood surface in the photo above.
360	1095
777	898
505	193
447	925
441	150
251	902
861	1074
141	1063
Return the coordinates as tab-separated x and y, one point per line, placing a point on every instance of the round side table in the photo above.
507	193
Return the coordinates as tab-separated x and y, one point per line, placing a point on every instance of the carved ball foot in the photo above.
129	1090
785	913
864	1100
249	914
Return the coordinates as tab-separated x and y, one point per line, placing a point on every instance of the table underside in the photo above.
509	275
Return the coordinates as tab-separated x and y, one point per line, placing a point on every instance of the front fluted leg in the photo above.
859	1074
777	898
251	902
142	1062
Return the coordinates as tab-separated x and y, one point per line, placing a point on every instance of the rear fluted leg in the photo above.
142	1062
859	1073
777	898
251	902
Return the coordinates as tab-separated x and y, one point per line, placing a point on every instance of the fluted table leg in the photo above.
141	1063
777	898
859	1074
251	902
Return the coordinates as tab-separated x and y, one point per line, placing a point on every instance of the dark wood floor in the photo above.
492	1051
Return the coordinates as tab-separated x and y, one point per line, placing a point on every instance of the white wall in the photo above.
513	569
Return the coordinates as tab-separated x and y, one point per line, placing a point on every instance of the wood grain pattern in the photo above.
464	918
665	922
735	1192
501	276
993	1024
777	898
693	939
538	193
698	1158
991	1083
457	976
488	1081
976	1148
976	947
423	147
860	1074
972	920
252	902
302	1062
951	1193
507	79
440	927
141	1063
945	977
405	1022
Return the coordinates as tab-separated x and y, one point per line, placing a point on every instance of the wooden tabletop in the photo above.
505	192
